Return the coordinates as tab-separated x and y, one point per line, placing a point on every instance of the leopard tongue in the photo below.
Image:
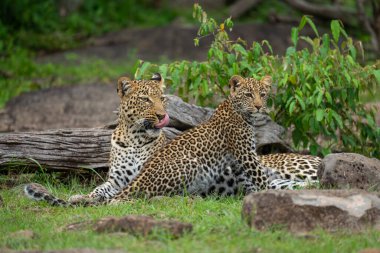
164	122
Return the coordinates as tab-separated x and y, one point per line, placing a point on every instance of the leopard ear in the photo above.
235	83
124	86
267	81
157	77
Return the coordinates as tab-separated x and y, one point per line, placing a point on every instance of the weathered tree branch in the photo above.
366	23
80	149
347	15
242	6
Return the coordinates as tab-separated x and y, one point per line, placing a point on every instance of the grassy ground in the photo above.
218	227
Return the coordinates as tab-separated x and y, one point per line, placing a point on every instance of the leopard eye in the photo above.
248	95
163	98
263	94
145	99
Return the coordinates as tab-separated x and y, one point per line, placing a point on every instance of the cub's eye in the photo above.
263	94
145	99
248	95
163	98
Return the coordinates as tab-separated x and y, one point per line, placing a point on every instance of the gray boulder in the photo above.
349	170
306	210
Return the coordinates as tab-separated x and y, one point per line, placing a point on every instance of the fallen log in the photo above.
88	149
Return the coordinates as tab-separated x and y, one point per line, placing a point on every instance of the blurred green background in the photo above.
30	30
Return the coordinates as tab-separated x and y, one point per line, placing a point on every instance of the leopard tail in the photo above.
40	193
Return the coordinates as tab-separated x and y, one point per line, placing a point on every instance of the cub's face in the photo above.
143	103
248	95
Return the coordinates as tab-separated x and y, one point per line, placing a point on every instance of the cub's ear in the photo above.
235	83
124	86
157	77
267	81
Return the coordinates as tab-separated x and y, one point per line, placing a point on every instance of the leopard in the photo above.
138	134
194	161
291	166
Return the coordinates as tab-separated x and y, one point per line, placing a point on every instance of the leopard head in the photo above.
143	104
249	96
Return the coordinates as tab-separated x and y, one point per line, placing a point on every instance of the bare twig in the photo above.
366	23
242	6
347	15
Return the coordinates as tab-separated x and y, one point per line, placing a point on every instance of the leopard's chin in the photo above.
153	132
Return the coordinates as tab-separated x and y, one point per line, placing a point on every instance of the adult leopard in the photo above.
137	136
195	161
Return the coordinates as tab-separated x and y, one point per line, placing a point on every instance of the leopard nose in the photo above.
160	116
258	107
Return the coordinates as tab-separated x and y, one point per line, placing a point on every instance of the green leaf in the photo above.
370	120
344	95
314	149
205	88
335	29
256	50
376	73
196	42
231	58
328	97
265	42
239	48
301	102
229	23
141	71
325	45
312	25
308	40
319	97
292	107
352	51
302	23
326	151
293	79
294	36
290	51
319	114
195	84
337	118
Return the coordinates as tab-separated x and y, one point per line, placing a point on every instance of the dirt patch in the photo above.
63	107
174	42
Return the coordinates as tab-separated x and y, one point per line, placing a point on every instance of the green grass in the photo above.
24	74
218	227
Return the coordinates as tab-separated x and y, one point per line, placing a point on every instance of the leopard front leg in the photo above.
104	191
119	177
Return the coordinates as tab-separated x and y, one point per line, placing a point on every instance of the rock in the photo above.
305	210
349	170
134	224
23	234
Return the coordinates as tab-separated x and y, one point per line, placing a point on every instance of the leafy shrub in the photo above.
52	25
318	88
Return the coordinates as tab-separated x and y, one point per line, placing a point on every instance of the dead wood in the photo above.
84	149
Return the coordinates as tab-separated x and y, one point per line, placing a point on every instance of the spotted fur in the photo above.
215	157
138	135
